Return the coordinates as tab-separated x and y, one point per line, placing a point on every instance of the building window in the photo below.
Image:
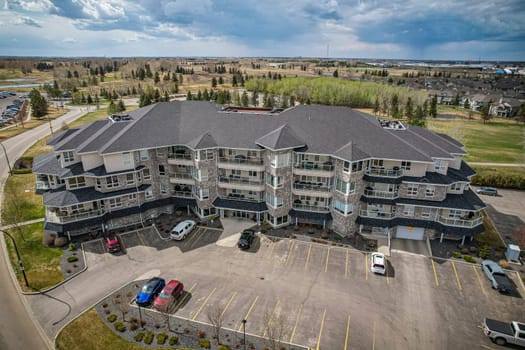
280	160
274	201
162	170
115	202
408	210
454	213
430	191
144	155
126	159
343	208
148	193
163	187
426	212
345	187
455	187
206	154
357	166
130	179
412	190
346	167
98	184
160	152
201	175
146	174
76	182
111	181
132	196
440	165
68	156
377	163
406	165
204	193
274	181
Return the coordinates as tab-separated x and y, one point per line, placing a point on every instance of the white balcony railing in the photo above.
308	207
184	194
314	166
377	214
381	194
385	172
312	187
240	180
62	218
242	197
460	222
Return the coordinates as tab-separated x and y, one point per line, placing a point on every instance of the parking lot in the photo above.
324	296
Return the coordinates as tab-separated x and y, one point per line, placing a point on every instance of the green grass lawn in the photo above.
500	141
90	333
42	264
20	201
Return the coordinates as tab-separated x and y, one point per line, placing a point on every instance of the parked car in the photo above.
246	239
149	291
112	243
502	333
378	263
490	191
182	229
171	292
497	276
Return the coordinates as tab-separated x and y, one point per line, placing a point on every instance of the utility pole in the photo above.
20	264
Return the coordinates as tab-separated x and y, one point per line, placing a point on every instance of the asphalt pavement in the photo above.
18	329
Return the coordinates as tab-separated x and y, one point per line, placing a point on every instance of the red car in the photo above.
171	292
112	244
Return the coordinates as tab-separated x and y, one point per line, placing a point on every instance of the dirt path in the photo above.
517	165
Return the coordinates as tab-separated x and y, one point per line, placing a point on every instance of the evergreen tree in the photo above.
336	74
213	82
244	99
409	112
112	108
166	96
205	95
38	104
433	107
157	96
199	95
394	106
221	81
189	96
89	100
234	80
156	79
376	106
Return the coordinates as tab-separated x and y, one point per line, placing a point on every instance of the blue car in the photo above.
149	291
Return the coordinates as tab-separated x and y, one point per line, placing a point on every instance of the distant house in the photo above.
478	101
446	97
506	107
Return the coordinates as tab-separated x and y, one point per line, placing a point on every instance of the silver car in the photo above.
182	229
490	191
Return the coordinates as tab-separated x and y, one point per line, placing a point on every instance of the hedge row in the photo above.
500	180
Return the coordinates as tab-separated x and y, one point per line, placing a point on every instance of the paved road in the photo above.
17	330
517	165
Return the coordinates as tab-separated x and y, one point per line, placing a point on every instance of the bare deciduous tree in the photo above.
275	329
215	315
13	214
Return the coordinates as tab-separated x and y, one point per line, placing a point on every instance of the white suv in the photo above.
378	263
182	229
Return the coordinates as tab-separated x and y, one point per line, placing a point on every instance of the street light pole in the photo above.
20	264
7	159
244	332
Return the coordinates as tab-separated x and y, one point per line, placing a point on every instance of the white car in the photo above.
182	229
378	263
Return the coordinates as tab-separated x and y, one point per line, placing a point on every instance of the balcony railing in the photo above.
182	194
241	159
180	156
52	216
385	172
312	187
381	194
308	207
240	180
376	214
182	176
460	222
242	197
319	166
42	185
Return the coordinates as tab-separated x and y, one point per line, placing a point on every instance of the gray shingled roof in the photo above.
281	138
57	137
64	198
331	130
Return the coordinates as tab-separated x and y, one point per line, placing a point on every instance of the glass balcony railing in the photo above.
385	172
381	194
377	214
314	166
460	222
312	186
240	180
309	207
241	159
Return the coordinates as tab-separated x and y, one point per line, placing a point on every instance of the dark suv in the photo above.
246	240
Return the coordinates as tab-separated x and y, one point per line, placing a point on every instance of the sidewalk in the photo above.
29	222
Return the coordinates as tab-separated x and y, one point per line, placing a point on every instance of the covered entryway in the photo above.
410	232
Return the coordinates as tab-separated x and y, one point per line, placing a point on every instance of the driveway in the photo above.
325	295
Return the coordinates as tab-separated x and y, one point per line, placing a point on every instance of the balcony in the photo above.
309	189
241	183
182	178
381	194
377	214
308	207
180	159
43	185
469	223
314	168
241	162
61	217
183	194
242	197
395	172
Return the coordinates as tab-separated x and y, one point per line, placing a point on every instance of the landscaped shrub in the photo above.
173	340
148	339
60	241
112	318
49	240
107	311
456	254
204	343
484	251
133	326
139	336
72	258
119	326
161	338
72	246
469	259
224	347
201	334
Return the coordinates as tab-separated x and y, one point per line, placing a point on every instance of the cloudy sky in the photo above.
406	29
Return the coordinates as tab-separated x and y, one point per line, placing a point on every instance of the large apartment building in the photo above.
333	166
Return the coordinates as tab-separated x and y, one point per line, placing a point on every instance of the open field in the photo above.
501	141
20	193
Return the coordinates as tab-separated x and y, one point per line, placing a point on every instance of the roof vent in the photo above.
120	117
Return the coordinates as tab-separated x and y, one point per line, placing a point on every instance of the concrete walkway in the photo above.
232	229
29	222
